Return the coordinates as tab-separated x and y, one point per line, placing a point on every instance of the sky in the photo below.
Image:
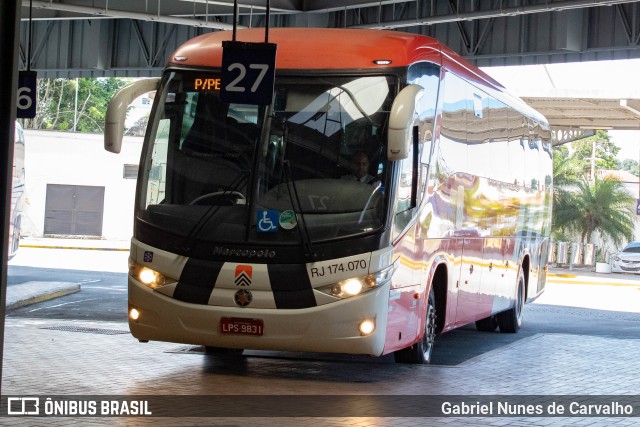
615	79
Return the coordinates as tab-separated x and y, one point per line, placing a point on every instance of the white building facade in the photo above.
74	188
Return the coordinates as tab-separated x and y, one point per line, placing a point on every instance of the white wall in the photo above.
634	190
632	186
79	159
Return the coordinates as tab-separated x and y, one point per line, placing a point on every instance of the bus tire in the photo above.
420	352
221	350
511	320
488	324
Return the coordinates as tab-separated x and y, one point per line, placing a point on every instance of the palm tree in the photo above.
566	173
602	205
566	169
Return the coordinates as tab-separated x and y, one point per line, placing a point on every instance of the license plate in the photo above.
241	326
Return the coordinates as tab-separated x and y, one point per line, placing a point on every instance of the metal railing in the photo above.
573	254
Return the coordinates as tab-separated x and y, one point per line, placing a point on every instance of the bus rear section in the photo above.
340	217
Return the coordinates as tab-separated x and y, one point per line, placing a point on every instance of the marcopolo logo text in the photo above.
249	253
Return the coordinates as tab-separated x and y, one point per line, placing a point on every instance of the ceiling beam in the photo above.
276	6
97	12
553	6
336	6
176	8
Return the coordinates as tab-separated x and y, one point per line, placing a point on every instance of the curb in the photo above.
584	281
45	296
577	279
563	275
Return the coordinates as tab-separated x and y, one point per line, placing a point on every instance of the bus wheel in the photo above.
511	320
420	352
488	324
222	350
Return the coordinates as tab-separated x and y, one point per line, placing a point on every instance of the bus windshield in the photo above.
311	163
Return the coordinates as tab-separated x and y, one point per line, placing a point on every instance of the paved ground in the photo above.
53	358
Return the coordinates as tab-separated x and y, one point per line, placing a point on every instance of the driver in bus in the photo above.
360	164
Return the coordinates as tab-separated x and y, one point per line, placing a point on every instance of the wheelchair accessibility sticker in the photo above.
268	221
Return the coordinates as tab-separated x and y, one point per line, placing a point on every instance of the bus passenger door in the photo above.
404	309
507	269
492	275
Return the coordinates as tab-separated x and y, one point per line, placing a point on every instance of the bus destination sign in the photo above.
206	84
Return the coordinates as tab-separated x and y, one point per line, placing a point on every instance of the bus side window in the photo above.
499	145
517	135
427	75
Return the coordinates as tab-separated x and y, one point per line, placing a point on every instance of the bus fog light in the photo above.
367	327
134	314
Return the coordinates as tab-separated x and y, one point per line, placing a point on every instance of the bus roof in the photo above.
330	49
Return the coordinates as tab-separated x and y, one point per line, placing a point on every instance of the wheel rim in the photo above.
429	331
520	301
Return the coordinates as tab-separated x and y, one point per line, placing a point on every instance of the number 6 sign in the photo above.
248	71
27	94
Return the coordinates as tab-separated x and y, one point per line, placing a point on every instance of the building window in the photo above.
130	172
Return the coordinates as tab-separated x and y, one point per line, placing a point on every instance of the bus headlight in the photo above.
357	285
148	276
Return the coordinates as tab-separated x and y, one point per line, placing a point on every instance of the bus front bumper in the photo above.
331	328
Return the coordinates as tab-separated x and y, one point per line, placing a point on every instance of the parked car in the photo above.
627	260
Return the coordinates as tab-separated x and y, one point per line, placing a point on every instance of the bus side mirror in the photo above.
117	111
401	121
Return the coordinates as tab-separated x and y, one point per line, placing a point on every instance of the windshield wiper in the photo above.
295	200
188	242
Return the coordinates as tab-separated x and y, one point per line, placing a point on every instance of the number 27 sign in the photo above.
248	71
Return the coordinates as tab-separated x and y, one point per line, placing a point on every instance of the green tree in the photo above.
631	166
139	127
606	152
602	205
56	108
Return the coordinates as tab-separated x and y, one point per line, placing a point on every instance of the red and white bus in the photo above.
247	235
